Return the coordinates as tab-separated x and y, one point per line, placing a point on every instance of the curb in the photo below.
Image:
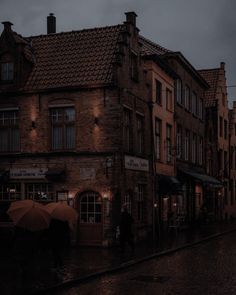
127	264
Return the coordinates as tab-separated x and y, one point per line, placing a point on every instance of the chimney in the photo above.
7	26
51	24
131	18
222	65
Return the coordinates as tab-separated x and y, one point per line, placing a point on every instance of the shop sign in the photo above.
27	173
135	163
87	173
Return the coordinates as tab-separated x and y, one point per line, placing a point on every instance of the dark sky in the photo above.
203	30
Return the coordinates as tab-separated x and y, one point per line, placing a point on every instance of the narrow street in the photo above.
208	268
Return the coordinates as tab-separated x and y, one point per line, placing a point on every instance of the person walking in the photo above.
126	233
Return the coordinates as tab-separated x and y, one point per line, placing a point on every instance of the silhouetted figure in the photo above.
59	236
126	234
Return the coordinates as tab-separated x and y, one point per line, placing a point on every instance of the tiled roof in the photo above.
211	76
72	59
149	47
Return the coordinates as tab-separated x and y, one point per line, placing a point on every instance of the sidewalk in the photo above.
83	262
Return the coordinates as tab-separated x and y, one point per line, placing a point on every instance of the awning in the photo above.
203	178
55	174
168	184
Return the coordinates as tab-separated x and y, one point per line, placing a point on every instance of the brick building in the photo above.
189	144
75	125
217	139
161	79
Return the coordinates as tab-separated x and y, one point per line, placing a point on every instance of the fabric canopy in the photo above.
203	178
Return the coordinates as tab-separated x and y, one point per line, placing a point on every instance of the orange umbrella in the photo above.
62	211
29	215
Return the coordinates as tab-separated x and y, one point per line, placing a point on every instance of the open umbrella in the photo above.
62	211
29	215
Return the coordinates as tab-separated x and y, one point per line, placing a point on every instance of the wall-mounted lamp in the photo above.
96	120
33	124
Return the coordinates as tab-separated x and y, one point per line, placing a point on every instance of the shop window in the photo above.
10	192
90	208
40	192
63	128
9	131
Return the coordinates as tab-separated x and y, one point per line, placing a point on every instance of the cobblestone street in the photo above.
207	268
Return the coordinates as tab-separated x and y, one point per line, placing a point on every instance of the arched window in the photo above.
90	208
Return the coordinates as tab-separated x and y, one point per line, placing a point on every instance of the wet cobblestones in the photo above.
39	275
204	269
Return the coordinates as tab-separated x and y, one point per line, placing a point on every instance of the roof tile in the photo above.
77	58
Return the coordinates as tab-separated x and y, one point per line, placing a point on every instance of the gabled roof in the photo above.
149	47
211	76
73	59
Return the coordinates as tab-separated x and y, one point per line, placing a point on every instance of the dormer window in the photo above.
7	71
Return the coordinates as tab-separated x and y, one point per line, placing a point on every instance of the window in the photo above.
179	91
158	92
9	131
220	159
140	202
186	145
10	191
40	191
194	141
168	143
179	142
134	66
235	159
200	157
7	71
225	129
140	133
187	98
63	128
127	130
158	138
226	164
221	127
90	208
194	104
201	109
128	202
169	100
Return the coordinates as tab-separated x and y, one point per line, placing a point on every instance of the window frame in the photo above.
9	124
140	133
64	124
7	74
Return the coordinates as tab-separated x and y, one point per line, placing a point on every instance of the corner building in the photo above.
75	126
